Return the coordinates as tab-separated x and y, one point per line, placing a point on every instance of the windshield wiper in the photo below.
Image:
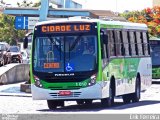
75	42
53	42
69	51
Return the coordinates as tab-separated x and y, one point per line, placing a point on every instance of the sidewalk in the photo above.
13	90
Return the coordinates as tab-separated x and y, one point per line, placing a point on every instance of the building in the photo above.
66	4
105	14
26	18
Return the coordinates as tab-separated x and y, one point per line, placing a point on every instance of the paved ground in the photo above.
14	101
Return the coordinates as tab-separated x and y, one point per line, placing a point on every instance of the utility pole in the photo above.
64	3
116	7
43	10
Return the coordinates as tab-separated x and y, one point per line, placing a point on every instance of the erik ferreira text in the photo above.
144	117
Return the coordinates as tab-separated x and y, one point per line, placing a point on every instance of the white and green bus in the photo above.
87	59
155	55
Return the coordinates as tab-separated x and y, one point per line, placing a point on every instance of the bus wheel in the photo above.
88	102
108	102
52	104
80	102
136	95
126	98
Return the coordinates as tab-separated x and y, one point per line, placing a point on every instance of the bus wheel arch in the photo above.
53	104
138	81
110	100
113	88
80	102
136	95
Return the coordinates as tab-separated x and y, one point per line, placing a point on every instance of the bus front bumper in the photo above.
93	92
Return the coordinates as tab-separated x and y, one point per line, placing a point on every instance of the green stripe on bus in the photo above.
111	26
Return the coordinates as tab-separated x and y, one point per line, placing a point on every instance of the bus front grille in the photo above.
57	95
64	88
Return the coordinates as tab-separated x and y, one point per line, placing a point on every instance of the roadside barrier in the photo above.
13	73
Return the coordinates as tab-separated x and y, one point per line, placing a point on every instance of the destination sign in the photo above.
51	65
65	28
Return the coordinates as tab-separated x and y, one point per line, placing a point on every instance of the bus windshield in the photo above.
155	54
63	53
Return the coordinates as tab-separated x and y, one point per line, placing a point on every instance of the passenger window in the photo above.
125	42
146	51
139	43
132	42
118	43
111	43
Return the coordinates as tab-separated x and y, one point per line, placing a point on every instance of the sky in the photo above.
117	5
113	5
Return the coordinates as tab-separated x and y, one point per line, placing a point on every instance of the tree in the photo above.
2	2
8	33
37	4
149	16
25	3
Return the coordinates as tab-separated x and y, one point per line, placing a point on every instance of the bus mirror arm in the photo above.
25	42
104	37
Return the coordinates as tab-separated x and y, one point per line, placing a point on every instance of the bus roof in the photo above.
154	38
103	23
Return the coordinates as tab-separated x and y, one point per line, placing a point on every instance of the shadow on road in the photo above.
156	82
138	104
96	106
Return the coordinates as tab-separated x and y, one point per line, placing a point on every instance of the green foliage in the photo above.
37	4
149	16
8	33
2	2
25	3
134	14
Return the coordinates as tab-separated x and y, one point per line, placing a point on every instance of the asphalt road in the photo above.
14	101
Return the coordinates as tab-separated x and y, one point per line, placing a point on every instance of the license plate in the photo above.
65	93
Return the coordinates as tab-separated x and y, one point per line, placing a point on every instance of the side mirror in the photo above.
25	42
104	37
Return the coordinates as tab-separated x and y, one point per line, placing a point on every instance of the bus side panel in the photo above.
145	70
130	74
133	66
115	69
125	71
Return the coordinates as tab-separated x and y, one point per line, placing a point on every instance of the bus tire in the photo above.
108	102
112	90
136	95
80	102
88	102
52	104
126	98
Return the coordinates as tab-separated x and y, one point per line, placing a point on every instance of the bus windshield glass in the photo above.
155	54
65	53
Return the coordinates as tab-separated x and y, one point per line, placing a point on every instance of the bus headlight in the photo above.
37	81
92	80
